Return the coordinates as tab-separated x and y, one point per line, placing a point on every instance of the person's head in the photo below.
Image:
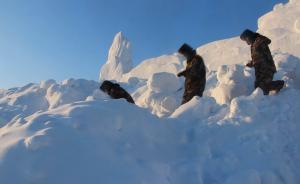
248	36
106	86
187	51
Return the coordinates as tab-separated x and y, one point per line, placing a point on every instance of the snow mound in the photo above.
161	95
163	82
22	101
116	142
48	94
233	81
244	108
70	91
288	69
119	59
86	142
282	25
197	109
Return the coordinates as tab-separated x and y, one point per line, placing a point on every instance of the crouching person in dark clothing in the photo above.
115	91
262	61
195	73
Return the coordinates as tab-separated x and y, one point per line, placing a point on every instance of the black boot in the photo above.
280	84
276	85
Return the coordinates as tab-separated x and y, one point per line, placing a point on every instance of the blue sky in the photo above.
59	39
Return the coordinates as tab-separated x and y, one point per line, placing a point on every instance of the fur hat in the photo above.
248	34
106	86
187	51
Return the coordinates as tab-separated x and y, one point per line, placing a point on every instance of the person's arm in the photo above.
182	73
250	64
129	99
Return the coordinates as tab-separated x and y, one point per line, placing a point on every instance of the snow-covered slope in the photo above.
119	59
167	63
70	132
224	52
253	140
283	26
24	101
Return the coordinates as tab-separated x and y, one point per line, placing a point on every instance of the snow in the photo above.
161	95
71	132
282	24
233	81
289	69
163	82
112	141
70	91
167	63
225	52
32	98
197	108
119	59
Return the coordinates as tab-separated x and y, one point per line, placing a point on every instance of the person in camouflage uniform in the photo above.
262	61
195	73
115	91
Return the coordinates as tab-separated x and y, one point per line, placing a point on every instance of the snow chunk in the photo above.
163	82
233	81
288	69
119	59
196	109
245	108
161	95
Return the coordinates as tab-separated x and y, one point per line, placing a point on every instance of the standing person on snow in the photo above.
195	73
262	61
115	91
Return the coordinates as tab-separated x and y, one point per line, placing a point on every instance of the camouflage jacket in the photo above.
195	76
195	69
261	55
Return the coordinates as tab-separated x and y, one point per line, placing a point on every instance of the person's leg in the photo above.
202	87
193	89
276	85
271	85
262	85
266	77
186	97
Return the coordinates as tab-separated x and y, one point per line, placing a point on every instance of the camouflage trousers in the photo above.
196	89
264	80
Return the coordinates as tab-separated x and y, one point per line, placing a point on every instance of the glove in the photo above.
180	74
249	64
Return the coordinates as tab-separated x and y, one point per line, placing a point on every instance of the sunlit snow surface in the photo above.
70	132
